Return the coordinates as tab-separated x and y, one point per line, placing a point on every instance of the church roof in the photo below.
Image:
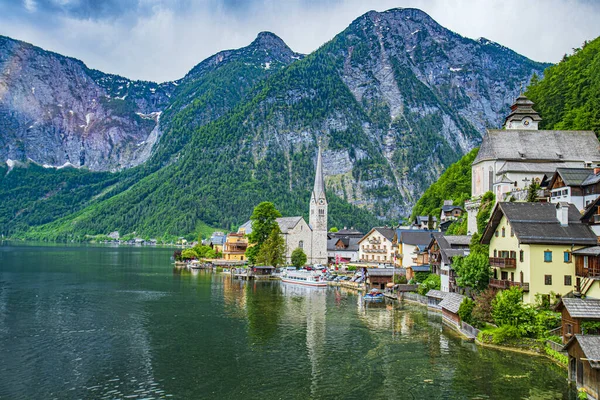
287	223
547	168
534	145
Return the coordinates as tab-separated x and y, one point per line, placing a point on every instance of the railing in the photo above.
374	251
503	262
505	284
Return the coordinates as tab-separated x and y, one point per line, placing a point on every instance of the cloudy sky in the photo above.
161	40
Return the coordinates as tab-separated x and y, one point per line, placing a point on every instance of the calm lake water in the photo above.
104	322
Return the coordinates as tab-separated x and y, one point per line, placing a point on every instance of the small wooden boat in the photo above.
374	295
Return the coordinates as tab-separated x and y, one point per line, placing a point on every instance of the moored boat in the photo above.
305	278
374	294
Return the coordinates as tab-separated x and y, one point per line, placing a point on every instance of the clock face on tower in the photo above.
321	202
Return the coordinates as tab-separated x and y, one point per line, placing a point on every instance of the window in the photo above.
568	280
512	232
569	329
496	233
547	256
521	255
513	255
301	244
504	275
321	212
567	256
495	253
548	279
503	232
512	276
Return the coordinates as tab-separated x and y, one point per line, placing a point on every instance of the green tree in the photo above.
433	281
189	254
298	258
263	221
272	251
333	229
482	311
485	210
532	191
508	309
465	311
472	271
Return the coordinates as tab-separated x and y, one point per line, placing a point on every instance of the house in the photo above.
450	212
579	186
349	233
216	241
411	245
378	278
591	216
441	251
531	246
434	298
376	248
235	247
422	222
575	312
450	305
342	250
587	271
510	159
584	363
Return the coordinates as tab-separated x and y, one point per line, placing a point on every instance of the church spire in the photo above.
522	115
319	189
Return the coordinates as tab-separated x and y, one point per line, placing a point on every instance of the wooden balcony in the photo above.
589	268
503	262
380	251
506	284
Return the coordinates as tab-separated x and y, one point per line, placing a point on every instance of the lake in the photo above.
121	322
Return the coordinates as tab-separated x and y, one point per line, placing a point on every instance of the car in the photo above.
309	268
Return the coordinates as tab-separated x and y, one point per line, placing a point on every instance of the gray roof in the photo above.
287	223
437	294
388	233
572	176
447	208
588	251
420	268
319	188
424	219
247	226
384	271
458	240
592	179
351	243
522	107
414	237
452	302
582	308
527	145
590	345
452	246
536	223
546	168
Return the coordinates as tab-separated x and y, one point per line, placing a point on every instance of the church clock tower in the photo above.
318	216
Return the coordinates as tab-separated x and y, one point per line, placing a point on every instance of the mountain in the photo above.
395	97
56	111
569	95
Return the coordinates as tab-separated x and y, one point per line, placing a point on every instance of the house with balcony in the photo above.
450	212
377	248
584	363
235	247
342	249
531	245
587	272
579	186
575	313
441	251
411	247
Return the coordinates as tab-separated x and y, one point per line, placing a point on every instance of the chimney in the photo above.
562	213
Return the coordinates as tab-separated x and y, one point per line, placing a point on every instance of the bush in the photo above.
351	267
508	309
400	279
546	321
433	281
421	276
483	306
465	310
501	335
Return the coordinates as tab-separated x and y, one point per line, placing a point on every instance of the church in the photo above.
510	159
312	236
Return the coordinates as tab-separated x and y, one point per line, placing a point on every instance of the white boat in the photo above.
305	278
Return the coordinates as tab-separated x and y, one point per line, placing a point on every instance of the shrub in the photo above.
466	309
508	309
483	305
500	335
400	279
433	281
351	267
546	321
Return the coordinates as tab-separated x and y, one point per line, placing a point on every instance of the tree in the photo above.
430	222
333	229
298	258
189	254
483	305
532	191
272	251
472	271
485	210
508	309
263	221
465	311
433	281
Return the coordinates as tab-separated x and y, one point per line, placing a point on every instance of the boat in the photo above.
305	278
374	294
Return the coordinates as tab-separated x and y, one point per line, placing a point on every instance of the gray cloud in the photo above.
162	39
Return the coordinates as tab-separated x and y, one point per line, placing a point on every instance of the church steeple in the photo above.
319	189
522	115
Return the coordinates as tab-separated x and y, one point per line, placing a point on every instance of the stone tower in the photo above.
318	216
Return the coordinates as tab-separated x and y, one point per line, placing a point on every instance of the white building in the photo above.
510	159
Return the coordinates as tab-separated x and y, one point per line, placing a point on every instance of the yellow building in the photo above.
531	246
235	247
